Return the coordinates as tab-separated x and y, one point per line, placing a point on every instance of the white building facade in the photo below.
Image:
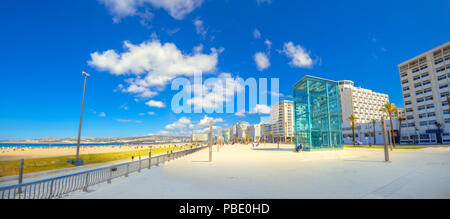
364	132
425	85
364	104
282	120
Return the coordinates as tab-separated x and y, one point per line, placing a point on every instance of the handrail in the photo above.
61	185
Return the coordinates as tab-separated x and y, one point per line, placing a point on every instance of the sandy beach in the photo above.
44	152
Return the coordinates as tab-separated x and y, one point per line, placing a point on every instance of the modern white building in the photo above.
364	132
282	118
425	84
199	137
242	129
364	104
255	132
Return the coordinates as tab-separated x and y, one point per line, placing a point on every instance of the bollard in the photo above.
139	170
110	176
85	188
51	189
150	159
21	174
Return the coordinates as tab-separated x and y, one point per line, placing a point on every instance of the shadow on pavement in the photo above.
272	149
370	161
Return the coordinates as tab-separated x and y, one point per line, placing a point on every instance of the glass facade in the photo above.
317	114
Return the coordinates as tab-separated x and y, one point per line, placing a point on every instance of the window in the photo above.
443	77
423	123
438	61
418	85
425	83
405	88
443	86
431	114
421	116
406	95
428	90
446	112
431	122
404	75
430	106
416	78
423	67
419	92
411	124
408	103
409	110
440	69
425	75
415	70
420	100
428	98
420	107
405	82
410	117
444	103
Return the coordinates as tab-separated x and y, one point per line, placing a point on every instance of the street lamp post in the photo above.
77	159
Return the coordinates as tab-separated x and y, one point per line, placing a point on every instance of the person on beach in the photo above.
132	158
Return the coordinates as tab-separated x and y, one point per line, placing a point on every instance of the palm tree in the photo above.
400	120
390	108
353	119
438	133
373	126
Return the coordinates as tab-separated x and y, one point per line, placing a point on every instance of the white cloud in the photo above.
240	114
299	56
182	123
263	1
262	109
129	121
151	113
213	95
205	122
269	45
124	106
275	94
102	114
152	64
256	34
178	9
261	60
199	28
153	103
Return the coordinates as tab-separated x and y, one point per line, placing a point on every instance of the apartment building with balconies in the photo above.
364	104
425	85
282	120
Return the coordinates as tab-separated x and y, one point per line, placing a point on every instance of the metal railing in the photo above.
58	186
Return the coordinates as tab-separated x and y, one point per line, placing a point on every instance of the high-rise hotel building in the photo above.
364	104
282	119
425	85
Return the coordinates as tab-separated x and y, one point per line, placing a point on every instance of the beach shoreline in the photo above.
17	153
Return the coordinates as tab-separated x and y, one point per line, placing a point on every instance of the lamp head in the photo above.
86	75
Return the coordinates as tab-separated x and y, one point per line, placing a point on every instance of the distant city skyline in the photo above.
134	50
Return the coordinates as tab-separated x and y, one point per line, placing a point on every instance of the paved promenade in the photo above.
243	172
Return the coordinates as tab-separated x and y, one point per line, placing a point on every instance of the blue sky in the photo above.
46	44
